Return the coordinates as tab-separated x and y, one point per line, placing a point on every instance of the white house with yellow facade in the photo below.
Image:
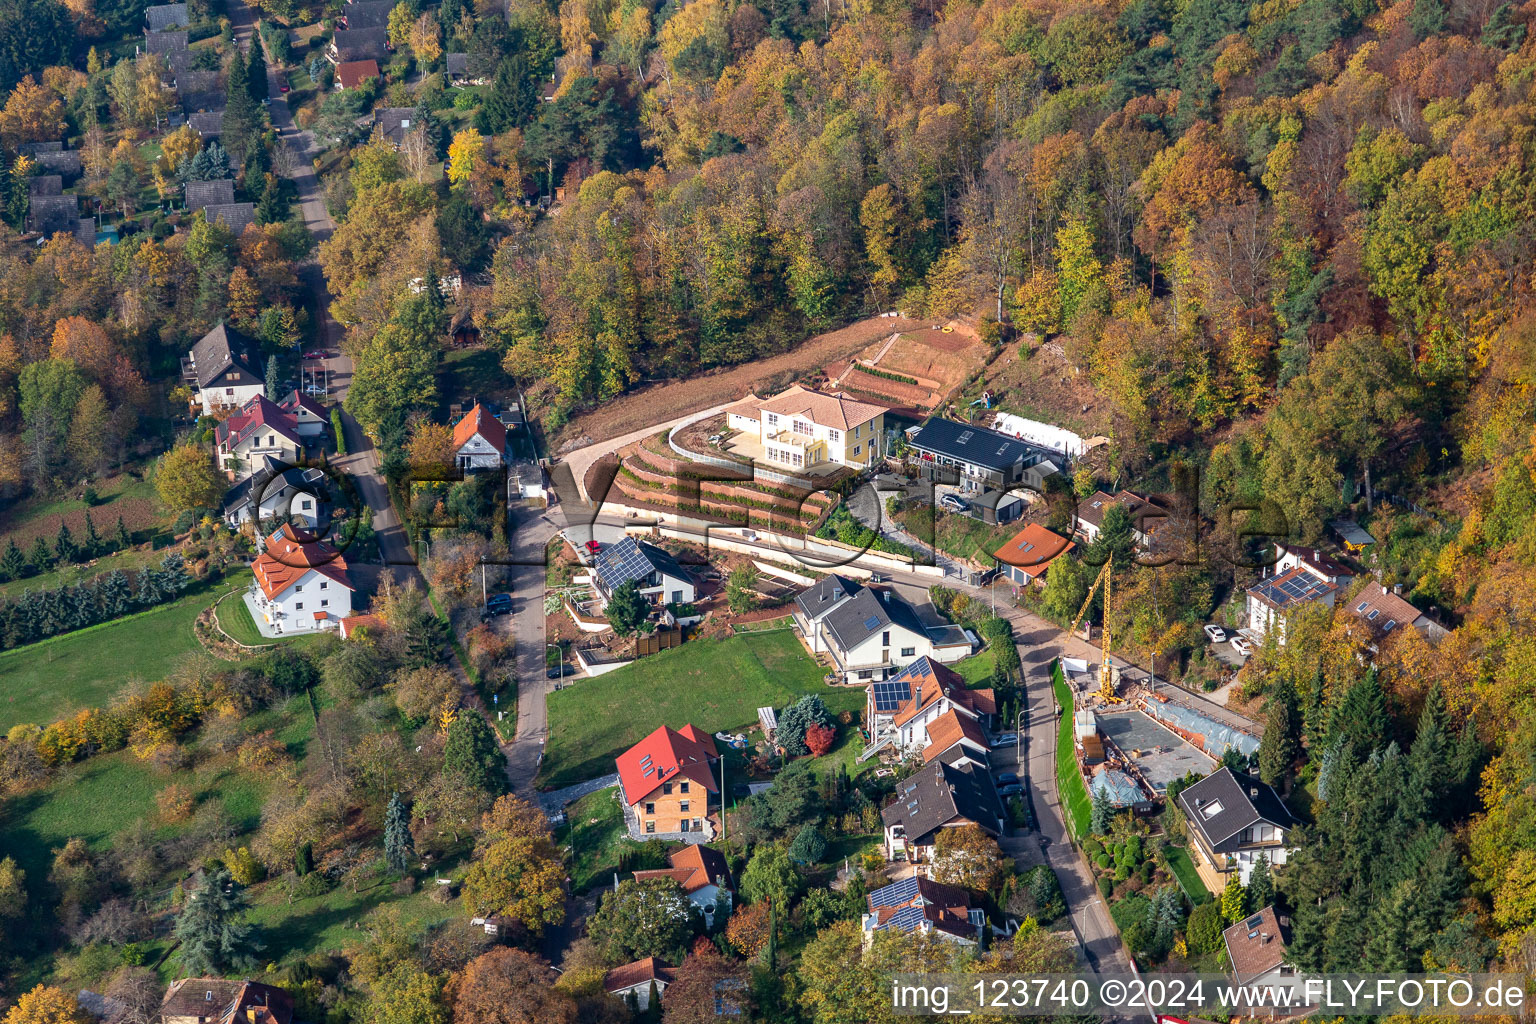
800	429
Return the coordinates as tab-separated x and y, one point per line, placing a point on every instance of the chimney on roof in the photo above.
1253	792
1397	588
1265	936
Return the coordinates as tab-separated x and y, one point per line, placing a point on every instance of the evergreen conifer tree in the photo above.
64	546
256	71
124	538
92	544
49	620
114	597
13	564
173	576
1261	886
399	847
1281	743
1234	900
1103	812
274	382
214	938
471	754
41	558
149	592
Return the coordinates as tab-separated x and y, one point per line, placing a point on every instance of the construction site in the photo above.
1133	736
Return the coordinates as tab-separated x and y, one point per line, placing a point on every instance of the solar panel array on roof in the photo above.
891	695
906	919
897	892
621	563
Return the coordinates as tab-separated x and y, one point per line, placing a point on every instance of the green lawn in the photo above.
1069	781
1183	869
957	535
977	669
235	619
715	684
467	373
596	835
45	681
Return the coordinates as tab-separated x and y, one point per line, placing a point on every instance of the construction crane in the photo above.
1106	681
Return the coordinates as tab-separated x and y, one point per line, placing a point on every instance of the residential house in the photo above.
479	440
394	123
1381	611
900	711
873	635
800	429
1271	600
1289	556
1257	952
234	216
918	904
353	73
165	43
1147	515
277	489
199	90
1028	556
356	44
703	874
366	14
956	738
353	623
977	459
202	194
633	982
260	428
459	71
301	584
222	366
309	417
49	215
667	780
45	185
814	603
1234	819
225	1001
209	124
164	17
938	797
655	573
85	231
60	161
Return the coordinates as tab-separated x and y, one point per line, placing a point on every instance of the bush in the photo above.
1106	886
1204	928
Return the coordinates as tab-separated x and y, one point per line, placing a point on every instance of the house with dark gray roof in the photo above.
45	185
358	44
235	216
34	148
655	573
938	797
367	14
164	17
276	490
394	122
199	90
222	365
163	43
209	123
459	71
875	634
85	231
59	161
200	194
975	458
815	603
1234	819
52	214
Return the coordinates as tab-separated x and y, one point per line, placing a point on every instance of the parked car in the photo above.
1005	739
317	389
1007	779
1216	633
496	604
283	87
593	547
1007	791
950	503
562	671
315	354
1242	645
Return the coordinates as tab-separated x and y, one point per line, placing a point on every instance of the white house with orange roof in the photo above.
703	874
911	712
800	428
301	585
479	440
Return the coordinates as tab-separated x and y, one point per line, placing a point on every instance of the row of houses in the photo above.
869	632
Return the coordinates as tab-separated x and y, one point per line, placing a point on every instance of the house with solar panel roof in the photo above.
655	573
1298	577
923	906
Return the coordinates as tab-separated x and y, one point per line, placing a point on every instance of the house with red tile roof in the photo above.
259	428
956	738
701	871
667	780
1026	558
901	710
479	440
352	73
225	1001
920	905
301	584
635	980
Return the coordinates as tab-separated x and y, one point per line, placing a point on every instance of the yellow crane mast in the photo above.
1106	680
